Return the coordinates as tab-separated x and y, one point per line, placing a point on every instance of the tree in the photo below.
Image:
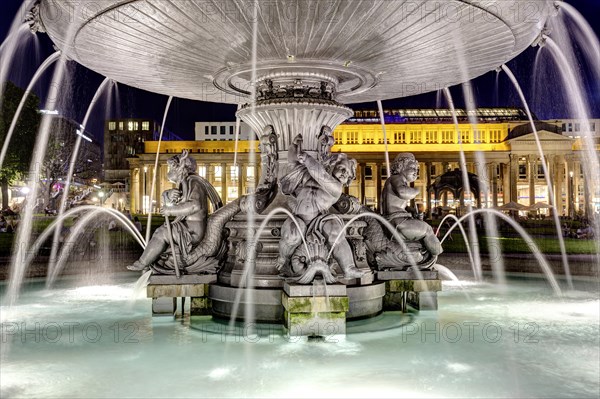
18	157
64	134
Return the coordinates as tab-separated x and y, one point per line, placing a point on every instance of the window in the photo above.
337	136
447	137
368	138
112	125
383	173
233	173
213	130
368	173
400	138
202	171
352	138
465	136
222	129
218	173
577	126
495	136
121	126
415	137
522	170
250	173
477	137
146	125
432	170
132	125
431	137
564	127
540	171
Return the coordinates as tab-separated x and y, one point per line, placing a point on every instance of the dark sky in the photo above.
544	93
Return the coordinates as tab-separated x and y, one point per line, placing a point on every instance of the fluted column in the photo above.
513	177
558	183
224	182
427	197
241	179
378	189
361	175
532	175
569	175
494	183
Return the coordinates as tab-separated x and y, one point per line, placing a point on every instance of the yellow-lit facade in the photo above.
510	168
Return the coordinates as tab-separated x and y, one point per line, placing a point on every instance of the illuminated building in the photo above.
500	149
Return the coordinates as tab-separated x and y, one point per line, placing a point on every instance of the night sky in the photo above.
544	92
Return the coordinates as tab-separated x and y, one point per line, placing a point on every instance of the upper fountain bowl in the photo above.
386	48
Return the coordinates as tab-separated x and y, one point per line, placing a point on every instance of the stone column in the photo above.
427	197
143	177
532	175
361	175
550	159
224	182
570	184
494	183
134	189
513	177
558	183
241	179
576	183
378	189
505	177
157	188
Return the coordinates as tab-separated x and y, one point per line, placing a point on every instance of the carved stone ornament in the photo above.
192	243
33	18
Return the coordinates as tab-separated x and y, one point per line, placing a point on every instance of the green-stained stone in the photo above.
413	285
315	304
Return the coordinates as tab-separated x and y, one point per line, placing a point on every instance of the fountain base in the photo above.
164	291
321	314
401	291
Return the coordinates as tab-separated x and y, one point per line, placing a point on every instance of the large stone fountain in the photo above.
311	58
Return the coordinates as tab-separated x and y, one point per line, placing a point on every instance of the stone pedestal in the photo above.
402	288
164	291
315	310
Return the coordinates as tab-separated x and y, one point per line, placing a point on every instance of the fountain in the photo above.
297	260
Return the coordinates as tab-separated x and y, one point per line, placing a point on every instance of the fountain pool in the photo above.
94	341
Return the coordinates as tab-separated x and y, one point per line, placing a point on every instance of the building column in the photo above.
532	175
481	171
134	190
361	177
512	178
550	160
224	182
494	183
143	178
576	183
157	188
241	179
558	184
569	176
427	197
378	189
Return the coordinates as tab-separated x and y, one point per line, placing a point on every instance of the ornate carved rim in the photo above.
349	79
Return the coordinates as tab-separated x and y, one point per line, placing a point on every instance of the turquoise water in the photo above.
82	340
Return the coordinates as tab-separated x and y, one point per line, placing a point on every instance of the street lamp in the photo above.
101	196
